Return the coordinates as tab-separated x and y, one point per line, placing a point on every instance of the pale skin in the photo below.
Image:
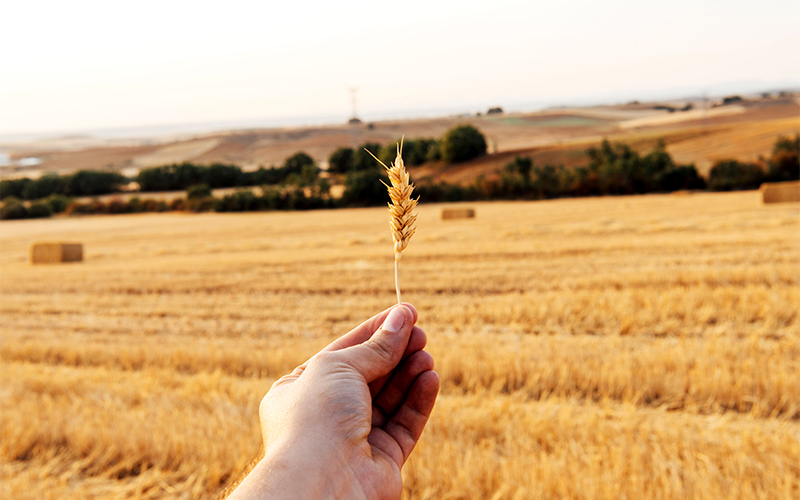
342	424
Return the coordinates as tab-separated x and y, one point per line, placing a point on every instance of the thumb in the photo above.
379	355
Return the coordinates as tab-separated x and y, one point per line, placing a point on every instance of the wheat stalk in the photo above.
401	220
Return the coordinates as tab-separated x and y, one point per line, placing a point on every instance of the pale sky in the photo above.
71	66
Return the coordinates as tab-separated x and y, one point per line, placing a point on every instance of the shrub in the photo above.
240	201
200	204
462	143
729	175
120	206
150	205
198	191
271	198
57	203
13	209
177	205
88	208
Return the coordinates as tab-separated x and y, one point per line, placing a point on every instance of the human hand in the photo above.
343	423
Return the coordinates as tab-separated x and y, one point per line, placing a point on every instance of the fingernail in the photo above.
394	321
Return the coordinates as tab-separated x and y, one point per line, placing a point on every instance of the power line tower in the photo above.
354	120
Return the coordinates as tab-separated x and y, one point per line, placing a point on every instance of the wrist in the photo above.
292	470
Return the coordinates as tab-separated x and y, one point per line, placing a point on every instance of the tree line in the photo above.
613	169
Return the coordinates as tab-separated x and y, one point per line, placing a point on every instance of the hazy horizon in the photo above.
93	67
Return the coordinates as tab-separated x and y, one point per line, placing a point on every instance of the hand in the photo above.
343	423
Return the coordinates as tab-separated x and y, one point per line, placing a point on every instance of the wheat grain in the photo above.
402	221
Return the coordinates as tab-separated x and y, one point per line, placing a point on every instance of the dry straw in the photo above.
401	220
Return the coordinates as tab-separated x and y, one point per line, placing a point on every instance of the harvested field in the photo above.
619	347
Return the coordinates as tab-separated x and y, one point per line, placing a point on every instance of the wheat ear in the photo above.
401	220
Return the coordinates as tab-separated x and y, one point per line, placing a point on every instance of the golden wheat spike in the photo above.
401	221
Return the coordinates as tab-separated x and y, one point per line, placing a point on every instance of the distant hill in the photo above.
742	130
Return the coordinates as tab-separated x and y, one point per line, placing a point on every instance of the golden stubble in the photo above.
637	347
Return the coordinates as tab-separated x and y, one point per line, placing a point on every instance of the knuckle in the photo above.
381	349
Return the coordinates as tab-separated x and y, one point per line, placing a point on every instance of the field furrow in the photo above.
620	347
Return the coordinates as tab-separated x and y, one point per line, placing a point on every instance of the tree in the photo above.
91	183
730	175
295	163
682	177
521	165
341	161
462	143
45	186
171	177
220	175
363	161
13	187
784	164
364	188
308	176
421	151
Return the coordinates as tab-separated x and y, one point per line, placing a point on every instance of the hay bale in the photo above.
458	213
51	253
780	192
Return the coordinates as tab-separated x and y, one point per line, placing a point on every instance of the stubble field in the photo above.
627	347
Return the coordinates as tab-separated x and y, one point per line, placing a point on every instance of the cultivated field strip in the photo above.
640	347
567	449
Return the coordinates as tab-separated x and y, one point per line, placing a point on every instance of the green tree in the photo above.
308	176
462	143
730	175
521	165
363	161
218	175
45	186
784	164
92	183
364	188
13	187
341	161
419	152
295	163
